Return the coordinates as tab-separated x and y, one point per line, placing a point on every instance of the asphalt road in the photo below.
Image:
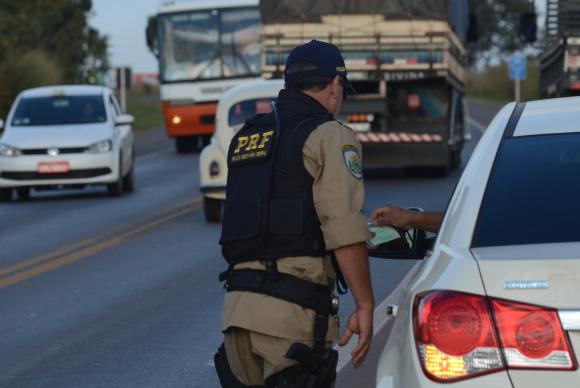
122	292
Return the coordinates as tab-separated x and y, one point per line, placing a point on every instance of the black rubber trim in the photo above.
514	119
212	189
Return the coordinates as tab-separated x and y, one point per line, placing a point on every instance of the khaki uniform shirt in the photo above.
332	156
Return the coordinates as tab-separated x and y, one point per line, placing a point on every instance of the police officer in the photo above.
292	222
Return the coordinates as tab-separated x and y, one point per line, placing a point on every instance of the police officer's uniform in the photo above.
295	194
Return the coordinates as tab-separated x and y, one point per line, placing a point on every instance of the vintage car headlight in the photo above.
9	151
100	147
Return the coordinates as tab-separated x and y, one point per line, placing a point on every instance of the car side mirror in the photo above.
124	120
412	244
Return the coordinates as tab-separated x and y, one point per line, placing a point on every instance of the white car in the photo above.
66	136
496	302
235	107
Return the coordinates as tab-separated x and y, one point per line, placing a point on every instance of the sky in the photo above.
124	21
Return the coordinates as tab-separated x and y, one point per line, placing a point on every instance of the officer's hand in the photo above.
360	322
392	215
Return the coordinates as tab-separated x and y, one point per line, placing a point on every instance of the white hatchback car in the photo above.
496	302
235	107
66	136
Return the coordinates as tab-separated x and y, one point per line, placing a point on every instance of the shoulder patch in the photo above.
251	146
352	160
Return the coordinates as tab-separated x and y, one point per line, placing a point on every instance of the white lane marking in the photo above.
479	126
379	321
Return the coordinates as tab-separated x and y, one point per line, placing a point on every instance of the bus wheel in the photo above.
185	144
5	195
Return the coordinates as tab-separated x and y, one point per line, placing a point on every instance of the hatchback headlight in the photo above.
100	147
9	151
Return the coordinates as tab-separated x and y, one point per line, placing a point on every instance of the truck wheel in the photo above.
185	144
5	195
212	209
23	193
455	159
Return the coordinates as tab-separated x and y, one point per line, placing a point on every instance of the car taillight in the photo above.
461	336
532	336
214	168
455	336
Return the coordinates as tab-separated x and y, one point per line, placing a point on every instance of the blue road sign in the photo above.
518	67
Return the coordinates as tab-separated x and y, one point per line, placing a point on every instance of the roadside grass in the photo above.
144	104
492	85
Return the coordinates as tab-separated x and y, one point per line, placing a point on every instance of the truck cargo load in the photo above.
406	59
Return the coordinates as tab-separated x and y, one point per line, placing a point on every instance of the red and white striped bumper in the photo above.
398	137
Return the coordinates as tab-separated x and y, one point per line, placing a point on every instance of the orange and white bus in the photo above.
204	47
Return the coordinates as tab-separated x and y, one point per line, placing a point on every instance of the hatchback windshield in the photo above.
58	110
533	194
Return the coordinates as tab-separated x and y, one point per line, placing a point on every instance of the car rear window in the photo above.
58	110
243	110
533	194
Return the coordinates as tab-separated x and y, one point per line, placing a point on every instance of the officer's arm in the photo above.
332	156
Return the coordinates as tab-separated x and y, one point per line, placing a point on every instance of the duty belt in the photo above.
307	294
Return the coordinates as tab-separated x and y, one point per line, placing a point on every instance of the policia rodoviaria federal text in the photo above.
292	222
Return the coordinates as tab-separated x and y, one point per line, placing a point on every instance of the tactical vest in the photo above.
269	209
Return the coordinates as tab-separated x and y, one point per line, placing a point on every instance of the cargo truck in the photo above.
560	60
407	62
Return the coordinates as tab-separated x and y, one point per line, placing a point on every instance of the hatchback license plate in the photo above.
52	167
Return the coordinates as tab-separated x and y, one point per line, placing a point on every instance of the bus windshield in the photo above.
209	44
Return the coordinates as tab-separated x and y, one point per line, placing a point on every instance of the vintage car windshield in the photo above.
210	44
59	110
243	110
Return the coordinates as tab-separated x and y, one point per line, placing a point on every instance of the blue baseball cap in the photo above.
326	61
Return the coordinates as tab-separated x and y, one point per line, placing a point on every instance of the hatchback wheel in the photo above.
129	181
116	188
212	208
5	195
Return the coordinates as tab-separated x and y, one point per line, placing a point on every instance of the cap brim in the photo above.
349	88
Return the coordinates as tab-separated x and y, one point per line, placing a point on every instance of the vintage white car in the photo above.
63	136
235	107
495	302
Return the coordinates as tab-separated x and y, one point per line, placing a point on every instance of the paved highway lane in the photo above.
122	292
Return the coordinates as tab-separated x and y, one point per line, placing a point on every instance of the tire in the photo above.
129	180
455	159
185	144
212	209
115	189
5	195
23	193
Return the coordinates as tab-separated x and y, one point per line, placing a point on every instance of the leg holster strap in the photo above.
224	371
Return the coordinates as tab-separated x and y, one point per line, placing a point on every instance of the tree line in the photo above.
47	42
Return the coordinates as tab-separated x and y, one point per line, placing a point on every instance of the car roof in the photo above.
64	90
552	116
